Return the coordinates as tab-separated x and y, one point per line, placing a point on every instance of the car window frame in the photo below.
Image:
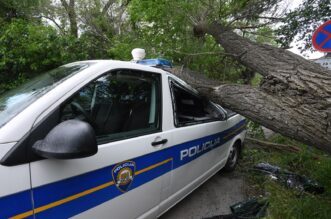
142	133
173	82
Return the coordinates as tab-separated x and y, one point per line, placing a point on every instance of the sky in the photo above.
310	55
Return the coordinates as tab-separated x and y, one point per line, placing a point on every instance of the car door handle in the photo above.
163	141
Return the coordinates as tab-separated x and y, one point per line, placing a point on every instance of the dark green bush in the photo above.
28	48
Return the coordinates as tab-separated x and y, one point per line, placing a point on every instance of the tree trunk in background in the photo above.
106	7
70	9
294	98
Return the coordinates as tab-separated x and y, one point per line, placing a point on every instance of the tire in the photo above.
233	158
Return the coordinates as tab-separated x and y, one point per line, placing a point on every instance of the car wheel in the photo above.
233	157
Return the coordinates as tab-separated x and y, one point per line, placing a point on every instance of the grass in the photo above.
255	82
286	202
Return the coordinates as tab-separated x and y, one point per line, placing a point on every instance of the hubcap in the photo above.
233	156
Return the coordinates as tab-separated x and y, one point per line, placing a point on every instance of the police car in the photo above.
109	139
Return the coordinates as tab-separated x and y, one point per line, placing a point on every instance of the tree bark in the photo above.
70	9
294	97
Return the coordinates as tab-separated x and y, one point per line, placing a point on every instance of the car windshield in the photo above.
16	100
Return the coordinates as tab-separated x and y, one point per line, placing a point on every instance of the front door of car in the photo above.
122	179
15	189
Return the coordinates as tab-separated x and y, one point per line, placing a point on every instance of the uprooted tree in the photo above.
294	97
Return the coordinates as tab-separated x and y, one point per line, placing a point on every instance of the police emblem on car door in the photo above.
123	175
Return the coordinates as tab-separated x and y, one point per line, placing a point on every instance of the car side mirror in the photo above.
68	140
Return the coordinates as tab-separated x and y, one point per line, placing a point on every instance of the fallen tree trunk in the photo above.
294	97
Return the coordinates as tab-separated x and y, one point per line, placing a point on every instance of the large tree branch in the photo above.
54	22
65	5
279	113
294	98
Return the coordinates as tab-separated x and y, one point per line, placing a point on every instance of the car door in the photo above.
199	147
122	179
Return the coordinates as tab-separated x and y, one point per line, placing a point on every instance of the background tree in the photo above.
300	24
69	7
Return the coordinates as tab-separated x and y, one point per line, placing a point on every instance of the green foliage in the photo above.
170	35
27	49
256	80
264	35
303	21
13	9
255	130
286	202
162	27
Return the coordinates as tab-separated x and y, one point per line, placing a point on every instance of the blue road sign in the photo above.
322	37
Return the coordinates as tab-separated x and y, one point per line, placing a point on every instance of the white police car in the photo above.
142	140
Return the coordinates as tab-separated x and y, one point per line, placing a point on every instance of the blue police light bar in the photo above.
156	63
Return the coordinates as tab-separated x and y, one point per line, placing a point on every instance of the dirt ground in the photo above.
211	199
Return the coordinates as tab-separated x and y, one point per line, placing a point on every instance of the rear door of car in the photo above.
122	179
199	150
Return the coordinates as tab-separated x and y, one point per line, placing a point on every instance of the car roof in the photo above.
114	64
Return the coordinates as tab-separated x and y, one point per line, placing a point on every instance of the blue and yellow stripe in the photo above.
74	195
